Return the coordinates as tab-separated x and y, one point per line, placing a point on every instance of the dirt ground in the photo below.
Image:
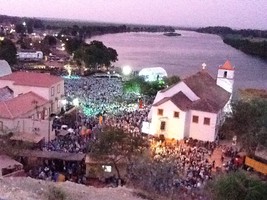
22	188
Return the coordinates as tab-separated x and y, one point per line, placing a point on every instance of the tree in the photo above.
248	121
114	145
155	176
96	54
237	186
73	44
171	80
8	51
50	40
138	85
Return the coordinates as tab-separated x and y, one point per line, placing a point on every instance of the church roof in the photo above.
179	99
32	79
227	66
4	68
212	97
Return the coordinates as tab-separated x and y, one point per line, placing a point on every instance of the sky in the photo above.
190	13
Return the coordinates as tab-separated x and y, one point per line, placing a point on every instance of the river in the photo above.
184	55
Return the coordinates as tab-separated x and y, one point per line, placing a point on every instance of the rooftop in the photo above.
212	97
227	66
32	79
20	105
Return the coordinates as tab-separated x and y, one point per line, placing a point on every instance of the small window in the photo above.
163	125
225	74
52	91
107	168
206	121
176	114
58	88
160	112
195	119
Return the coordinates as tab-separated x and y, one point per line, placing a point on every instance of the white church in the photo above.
194	107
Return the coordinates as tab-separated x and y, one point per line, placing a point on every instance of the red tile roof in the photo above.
20	105
32	79
227	66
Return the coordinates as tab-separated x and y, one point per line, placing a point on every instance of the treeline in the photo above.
89	31
78	28
223	30
253	42
257	48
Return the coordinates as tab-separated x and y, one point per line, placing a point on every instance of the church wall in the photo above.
174	127
200	130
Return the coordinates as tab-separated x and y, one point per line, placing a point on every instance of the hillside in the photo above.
21	188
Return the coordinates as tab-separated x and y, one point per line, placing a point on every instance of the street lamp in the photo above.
126	70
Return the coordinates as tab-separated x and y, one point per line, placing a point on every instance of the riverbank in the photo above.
252	42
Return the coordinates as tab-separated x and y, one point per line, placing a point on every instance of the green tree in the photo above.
114	145
138	85
95	55
237	186
248	121
8	51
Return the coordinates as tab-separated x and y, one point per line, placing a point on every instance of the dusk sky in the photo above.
193	13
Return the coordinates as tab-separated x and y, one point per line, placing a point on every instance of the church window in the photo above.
195	119
163	125
225	74
206	121
160	112
176	114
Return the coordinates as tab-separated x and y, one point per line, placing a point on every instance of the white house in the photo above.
30	55
194	107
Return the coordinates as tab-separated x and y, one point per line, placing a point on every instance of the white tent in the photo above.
4	68
153	73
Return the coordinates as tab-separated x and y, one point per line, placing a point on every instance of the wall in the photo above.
175	127
226	83
201	131
56	98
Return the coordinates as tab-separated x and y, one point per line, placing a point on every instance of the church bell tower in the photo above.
225	76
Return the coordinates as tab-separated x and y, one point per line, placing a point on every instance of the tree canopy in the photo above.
8	51
95	55
237	186
115	145
138	85
248	121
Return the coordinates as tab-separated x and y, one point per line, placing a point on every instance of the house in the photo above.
45	85
35	96
30	55
194	107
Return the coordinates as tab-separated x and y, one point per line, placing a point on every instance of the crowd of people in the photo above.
100	95
191	160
